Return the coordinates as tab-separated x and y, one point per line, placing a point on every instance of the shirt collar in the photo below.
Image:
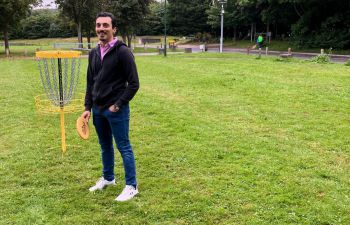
109	44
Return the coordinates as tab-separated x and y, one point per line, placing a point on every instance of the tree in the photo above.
88	19
323	23
77	11
37	25
153	22
130	16
188	16
11	13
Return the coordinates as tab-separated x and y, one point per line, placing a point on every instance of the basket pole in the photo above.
63	133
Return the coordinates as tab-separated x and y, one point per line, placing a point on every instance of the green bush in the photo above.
348	63
321	58
203	37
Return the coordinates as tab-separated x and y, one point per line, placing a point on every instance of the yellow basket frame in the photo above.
57	54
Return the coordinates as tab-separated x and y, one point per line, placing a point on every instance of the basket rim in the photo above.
57	54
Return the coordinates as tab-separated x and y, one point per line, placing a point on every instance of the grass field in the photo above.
218	139
27	47
48	44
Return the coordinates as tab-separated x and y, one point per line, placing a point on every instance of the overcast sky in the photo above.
47	4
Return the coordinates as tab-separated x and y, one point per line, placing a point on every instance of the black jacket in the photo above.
112	81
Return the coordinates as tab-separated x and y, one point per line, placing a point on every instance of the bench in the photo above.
161	51
172	44
188	50
144	41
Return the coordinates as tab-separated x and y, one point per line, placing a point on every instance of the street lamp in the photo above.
222	2
165	27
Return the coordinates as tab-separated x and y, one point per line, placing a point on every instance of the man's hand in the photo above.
113	108
86	115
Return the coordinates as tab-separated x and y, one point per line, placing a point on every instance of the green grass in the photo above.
31	46
218	139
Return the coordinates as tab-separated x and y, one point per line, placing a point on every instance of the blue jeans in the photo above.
115	124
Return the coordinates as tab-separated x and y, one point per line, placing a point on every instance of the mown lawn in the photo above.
218	139
28	47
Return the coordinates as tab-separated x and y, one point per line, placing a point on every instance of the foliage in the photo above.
314	23
153	21
62	27
130	16
188	17
321	58
81	12
43	23
203	37
11	12
347	63
323	24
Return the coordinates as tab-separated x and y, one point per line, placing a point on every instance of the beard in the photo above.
102	36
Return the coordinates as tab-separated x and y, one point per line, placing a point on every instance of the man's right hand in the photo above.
86	115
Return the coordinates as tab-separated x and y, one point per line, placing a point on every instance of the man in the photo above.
260	41
112	81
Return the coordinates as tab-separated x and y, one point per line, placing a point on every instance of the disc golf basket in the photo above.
59	73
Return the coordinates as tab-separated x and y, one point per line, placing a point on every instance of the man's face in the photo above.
104	29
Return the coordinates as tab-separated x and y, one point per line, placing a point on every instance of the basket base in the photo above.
45	106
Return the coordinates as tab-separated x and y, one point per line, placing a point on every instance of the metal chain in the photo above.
71	79
50	80
75	84
65	79
51	94
42	78
55	79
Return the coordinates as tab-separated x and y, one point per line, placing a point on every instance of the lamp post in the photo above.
222	2
165	28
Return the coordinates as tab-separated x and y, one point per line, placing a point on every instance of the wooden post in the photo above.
259	52
267	51
289	51
322	51
248	50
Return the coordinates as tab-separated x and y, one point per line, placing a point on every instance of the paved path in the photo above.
302	55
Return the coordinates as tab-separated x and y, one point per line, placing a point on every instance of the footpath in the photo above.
302	55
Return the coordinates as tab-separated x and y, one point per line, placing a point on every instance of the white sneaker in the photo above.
101	183
128	193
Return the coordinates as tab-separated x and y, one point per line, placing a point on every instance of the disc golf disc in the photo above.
83	128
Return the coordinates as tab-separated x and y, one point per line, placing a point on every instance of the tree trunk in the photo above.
275	30
80	37
6	39
88	38
267	31
254	30
235	33
251	31
124	38
129	36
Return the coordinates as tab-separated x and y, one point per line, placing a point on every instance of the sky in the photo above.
47	4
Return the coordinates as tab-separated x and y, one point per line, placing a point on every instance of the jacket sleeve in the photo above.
127	61
89	84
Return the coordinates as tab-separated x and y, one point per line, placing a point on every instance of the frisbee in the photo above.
83	128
